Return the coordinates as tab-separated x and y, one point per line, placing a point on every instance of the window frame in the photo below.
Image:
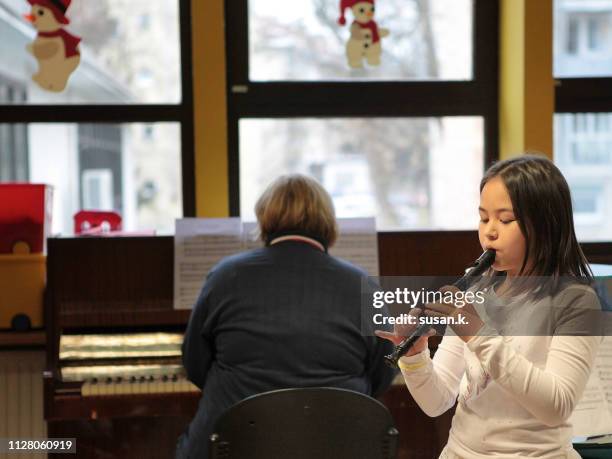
181	113
586	95
576	95
327	99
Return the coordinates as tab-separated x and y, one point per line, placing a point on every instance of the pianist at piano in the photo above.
285	315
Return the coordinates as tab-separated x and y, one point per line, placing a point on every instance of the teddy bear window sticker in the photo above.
364	42
55	49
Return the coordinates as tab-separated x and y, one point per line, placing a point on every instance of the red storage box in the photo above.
96	222
25	217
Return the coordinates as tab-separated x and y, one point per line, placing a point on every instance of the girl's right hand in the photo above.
402	331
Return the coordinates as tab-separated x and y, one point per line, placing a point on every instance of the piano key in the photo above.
174	383
185	385
165	384
94	388
123	387
154	386
144	385
135	385
191	387
141	385
106	387
86	389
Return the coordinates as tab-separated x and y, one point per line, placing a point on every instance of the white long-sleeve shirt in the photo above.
516	393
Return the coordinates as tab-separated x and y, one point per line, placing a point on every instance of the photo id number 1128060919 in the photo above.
38	445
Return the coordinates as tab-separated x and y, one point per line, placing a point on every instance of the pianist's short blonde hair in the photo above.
296	203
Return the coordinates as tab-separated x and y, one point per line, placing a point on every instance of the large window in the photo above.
583	119
120	135
403	136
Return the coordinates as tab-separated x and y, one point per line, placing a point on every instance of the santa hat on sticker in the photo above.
57	7
344	4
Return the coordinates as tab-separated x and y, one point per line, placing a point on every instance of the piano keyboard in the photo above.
118	364
133	386
129	379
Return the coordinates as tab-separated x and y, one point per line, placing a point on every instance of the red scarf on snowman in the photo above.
58	8
371	24
70	41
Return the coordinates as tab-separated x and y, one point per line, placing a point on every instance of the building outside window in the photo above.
583	122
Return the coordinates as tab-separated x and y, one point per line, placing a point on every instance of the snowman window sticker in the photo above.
55	49
364	42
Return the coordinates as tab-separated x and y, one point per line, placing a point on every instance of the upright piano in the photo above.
114	379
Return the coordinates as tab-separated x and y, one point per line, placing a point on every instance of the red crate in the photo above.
96	222
25	217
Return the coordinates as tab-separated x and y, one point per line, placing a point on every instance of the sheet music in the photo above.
593	414
199	244
603	365
358	243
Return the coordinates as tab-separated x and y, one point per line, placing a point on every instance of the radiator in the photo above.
21	398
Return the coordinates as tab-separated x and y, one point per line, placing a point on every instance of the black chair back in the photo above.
309	423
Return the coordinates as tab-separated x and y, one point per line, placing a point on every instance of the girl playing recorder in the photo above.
520	364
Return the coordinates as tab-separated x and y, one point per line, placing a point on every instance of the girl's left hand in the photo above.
466	322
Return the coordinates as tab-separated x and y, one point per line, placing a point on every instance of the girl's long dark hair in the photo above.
543	208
